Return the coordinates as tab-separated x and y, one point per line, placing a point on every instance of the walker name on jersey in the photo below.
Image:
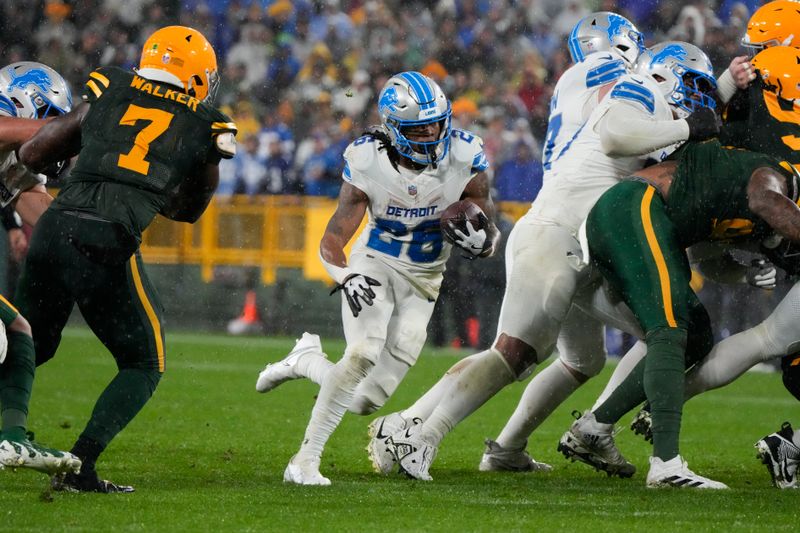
409	212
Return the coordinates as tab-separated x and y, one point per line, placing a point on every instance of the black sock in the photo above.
87	450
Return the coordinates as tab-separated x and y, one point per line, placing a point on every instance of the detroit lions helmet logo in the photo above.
673	50
616	25
388	99
35	76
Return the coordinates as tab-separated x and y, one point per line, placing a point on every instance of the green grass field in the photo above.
207	454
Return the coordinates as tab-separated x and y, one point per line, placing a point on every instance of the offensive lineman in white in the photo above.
544	254
403	176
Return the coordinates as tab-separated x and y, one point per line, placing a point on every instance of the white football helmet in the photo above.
33	90
683	72
605	32
412	99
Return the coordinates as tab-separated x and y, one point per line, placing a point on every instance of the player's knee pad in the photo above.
581	345
408	344
373	391
361	356
150	377
790	365
587	365
669	343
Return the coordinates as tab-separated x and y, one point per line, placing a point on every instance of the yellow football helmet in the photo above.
774	24
779	67
187	55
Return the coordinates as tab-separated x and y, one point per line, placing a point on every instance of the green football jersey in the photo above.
758	120
139	140
708	195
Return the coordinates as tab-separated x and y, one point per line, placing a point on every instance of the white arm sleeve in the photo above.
726	86
625	131
337	273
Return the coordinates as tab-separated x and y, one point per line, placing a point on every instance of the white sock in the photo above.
546	391
313	366
483	378
335	396
796	438
623	369
727	360
425	405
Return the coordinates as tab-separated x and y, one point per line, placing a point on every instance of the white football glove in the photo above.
762	274
357	287
473	241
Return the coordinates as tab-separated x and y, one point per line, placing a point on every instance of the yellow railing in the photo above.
268	232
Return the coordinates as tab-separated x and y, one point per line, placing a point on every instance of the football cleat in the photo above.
676	473
282	371
379	449
87	482
25	453
304	471
781	456
412	453
499	459
642	424
592	443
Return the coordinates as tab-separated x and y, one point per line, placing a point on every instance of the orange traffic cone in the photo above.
250	319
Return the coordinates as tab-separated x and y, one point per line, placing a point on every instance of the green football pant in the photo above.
76	260
647	265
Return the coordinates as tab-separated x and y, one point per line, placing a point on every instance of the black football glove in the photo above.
357	287
703	124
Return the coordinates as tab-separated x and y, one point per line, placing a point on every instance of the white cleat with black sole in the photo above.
676	473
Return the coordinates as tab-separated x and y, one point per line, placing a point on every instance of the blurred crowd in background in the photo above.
300	77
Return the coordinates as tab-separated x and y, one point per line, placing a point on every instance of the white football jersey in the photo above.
574	98
584	171
14	176
404	206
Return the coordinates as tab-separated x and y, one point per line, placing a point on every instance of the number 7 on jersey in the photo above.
159	122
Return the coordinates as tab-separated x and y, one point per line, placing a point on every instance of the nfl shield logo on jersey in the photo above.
412	190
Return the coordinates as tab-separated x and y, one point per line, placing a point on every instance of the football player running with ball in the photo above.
148	142
403	174
28	91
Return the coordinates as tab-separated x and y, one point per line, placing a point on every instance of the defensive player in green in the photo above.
668	208
149	143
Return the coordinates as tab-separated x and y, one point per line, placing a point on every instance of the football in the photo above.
458	214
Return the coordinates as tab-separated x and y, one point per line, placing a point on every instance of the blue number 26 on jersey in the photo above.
425	245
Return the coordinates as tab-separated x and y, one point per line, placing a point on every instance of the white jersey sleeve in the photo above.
585	170
574	98
405	206
630	125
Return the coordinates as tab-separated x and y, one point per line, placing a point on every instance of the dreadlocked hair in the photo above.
385	143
